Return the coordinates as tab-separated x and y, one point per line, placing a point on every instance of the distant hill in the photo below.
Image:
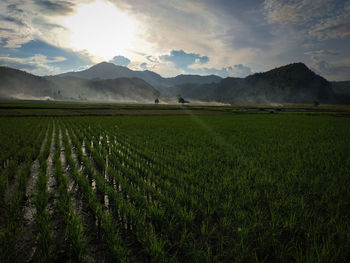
294	83
16	84
105	70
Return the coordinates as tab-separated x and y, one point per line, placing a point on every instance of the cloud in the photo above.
120	61
14	8
320	19
37	64
15	24
35	19
322	53
46	54
183	60
151	58
332	71
143	66
337	26
6	30
296	11
11	20
55	7
238	70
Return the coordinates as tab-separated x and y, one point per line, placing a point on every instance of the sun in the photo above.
100	29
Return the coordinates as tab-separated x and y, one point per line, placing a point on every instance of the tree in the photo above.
181	100
156	101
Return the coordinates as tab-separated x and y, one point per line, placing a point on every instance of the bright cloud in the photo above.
36	64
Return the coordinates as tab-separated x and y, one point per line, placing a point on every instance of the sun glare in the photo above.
100	29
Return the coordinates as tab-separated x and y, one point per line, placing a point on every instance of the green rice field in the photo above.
175	188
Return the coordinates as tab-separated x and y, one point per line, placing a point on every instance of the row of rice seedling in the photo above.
17	151
166	216
153	245
180	215
107	223
189	196
159	209
44	251
11	207
136	160
13	140
74	231
152	164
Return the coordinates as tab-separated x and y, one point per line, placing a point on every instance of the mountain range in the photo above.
105	70
293	83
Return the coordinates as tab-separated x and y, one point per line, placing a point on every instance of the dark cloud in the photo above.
11	19
323	53
3	41
55	7
323	19
297	11
120	61
332	71
6	30
137	52
14	8
338	28
151	59
183	60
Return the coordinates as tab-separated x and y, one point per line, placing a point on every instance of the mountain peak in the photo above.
297	70
105	64
299	66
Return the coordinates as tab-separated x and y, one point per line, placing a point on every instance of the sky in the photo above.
222	37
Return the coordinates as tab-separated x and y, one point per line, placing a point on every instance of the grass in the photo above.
42	218
74	231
